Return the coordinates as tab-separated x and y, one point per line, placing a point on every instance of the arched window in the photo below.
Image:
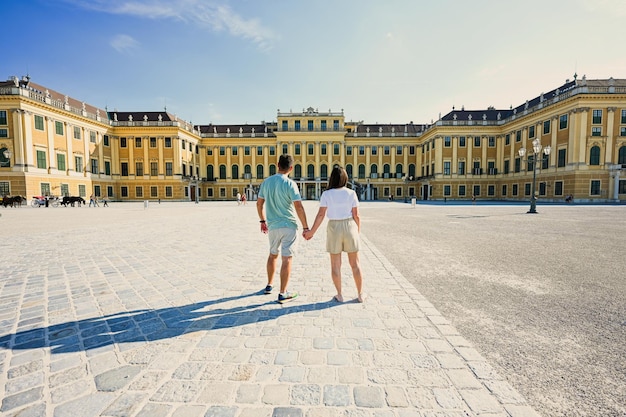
247	169
374	169
621	159
412	170
399	169
361	171
349	170
310	171
222	172
272	169
209	173
235	172
594	155
297	171
324	171
259	172
386	169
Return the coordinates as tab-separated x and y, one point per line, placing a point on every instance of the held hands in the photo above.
307	234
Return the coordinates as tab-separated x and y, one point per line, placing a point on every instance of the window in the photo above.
154	191
594	155
309	125
461	142
168	169
107	167
234	171
595	187
411	150
311	149
285	125
447	141
139	169
518	164
297	149
233	150
38	122
622	131
527	189
272	169
246	151
273	151
596	131
65	190
124	191
105	140
154	169
621	158
531	132
222	192
596	117
168	144
349	170
138	143
209	172
58	128
374	150
446	167
461	167
41	159
78	162
361	171
222	172
4	133
183	145
323	125
3	119
558	188
335	124
491	190
477	141
96	191
310	171
492	141
285	149
45	188
504	190
259	150
336	149
324	171
297	125
507	139
153	142
561	157
518	136
297	171
386	150
447	190
514	190
94	166
123	143
92	137
139	192
61	162
546	127
623	117
361	150
323	149
349	150
461	191
563	121
476	190
77	134
209	192
223	150
507	166
622	187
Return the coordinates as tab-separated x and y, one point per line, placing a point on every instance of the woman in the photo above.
341	205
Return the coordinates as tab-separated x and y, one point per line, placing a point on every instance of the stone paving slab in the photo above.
134	311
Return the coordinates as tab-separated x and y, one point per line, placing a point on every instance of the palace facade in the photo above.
52	144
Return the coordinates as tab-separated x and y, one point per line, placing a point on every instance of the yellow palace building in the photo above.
568	141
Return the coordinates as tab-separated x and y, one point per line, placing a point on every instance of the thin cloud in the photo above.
214	16
124	43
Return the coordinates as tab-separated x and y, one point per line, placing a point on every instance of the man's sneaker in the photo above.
288	296
268	289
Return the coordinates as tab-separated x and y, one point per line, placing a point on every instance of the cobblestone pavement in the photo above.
157	311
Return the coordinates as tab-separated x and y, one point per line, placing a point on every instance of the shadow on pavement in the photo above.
150	325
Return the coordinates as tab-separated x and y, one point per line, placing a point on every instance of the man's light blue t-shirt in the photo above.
279	193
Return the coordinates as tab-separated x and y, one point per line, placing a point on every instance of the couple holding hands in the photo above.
279	204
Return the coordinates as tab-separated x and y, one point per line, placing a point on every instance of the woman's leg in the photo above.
335	272
355	264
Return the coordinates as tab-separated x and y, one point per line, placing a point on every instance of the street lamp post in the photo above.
537	150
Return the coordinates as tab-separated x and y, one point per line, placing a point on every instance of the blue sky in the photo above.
381	61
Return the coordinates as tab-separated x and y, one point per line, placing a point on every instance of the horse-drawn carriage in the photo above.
72	201
40	200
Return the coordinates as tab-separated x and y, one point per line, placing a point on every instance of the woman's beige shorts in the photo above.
342	236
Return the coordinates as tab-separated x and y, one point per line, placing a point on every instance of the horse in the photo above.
72	201
14	201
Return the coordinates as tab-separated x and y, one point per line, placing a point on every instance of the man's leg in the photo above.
271	268
285	273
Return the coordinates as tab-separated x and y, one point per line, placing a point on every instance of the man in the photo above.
278	219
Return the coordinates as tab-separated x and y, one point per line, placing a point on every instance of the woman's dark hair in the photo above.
338	177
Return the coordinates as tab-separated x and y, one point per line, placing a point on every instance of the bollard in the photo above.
413	201
145	204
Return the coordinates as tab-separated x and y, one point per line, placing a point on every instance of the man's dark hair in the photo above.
338	177
285	162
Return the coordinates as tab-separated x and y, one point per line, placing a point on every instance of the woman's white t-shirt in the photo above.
339	203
